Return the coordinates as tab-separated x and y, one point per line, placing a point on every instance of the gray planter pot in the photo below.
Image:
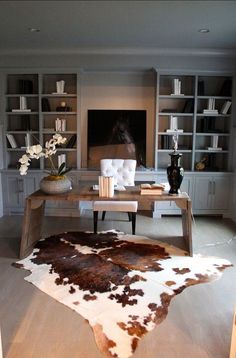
58	186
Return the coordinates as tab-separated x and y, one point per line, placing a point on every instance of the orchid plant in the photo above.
37	151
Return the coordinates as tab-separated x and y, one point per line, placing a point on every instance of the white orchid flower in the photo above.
63	140
59	139
50	143
23	169
49	152
56	136
50	146
25	160
50	149
36	152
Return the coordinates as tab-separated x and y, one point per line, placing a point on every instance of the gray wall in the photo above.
161	60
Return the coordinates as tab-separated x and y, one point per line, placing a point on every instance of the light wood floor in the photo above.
198	324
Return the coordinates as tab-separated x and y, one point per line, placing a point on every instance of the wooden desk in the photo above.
34	211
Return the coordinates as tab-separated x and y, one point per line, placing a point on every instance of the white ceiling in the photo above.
116	25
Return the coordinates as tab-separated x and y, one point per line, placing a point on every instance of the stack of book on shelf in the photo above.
72	141
225	107
61	159
211	107
21	110
46	105
60	125
174	130
176	87
151	189
214	143
166	142
174	125
210	111
23	105
11	140
214	148
28	140
25	86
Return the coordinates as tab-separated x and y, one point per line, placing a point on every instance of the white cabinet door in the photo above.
16	189
15	192
186	186
211	193
221	189
162	205
202	193
30	185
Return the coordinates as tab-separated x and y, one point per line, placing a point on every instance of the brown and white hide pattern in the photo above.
121	284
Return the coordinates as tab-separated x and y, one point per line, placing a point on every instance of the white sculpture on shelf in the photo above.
175	140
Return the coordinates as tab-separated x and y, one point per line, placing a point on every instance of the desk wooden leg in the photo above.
187	226
32	226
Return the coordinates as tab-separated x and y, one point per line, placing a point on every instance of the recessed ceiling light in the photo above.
33	29
203	31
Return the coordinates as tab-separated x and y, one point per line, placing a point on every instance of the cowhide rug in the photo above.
121	284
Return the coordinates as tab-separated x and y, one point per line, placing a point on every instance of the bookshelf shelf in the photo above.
212	134
18	149
24	95
59	95
22	132
211	151
175	114
170	150
213	115
61	132
66	149
172	96
215	97
60	113
171	134
21	113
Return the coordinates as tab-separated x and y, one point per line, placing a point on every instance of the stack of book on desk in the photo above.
151	189
106	186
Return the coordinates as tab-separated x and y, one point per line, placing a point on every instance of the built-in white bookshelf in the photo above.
35	104
200	114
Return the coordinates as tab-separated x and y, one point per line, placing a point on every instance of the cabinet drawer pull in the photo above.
214	187
20	186
209	187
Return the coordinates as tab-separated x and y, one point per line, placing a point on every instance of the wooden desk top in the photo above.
88	194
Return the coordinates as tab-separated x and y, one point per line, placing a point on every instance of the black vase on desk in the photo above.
175	173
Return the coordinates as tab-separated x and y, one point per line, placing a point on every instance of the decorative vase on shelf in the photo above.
55	184
175	173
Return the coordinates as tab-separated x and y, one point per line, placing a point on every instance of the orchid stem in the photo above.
52	165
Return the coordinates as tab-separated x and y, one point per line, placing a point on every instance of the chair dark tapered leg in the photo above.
95	221
130	216
133	222
103	215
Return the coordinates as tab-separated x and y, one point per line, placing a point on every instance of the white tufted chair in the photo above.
123	171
